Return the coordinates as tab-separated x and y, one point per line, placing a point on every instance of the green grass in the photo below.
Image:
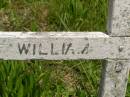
78	15
37	78
53	15
49	78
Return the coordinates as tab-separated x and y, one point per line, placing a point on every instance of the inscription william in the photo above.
51	49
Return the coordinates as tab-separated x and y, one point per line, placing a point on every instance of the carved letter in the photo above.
24	48
69	47
40	50
52	50
34	49
85	50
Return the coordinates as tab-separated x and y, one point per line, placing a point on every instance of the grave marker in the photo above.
114	48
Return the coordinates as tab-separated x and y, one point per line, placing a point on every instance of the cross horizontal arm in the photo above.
62	46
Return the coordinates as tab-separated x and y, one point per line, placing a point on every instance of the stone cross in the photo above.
113	47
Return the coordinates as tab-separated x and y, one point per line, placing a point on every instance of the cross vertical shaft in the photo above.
115	71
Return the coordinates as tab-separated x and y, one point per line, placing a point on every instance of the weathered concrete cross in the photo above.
114	48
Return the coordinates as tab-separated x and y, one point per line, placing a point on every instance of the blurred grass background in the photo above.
39	78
